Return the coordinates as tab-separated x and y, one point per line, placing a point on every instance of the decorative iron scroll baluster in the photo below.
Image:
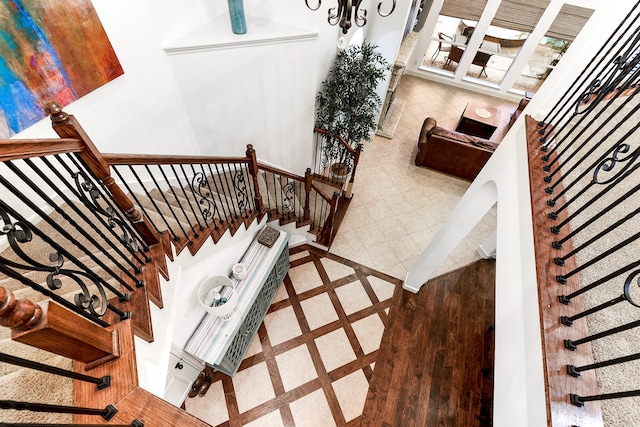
626	296
109	220
200	187
107	413
241	193
559	109
100	383
288	197
20	232
563	164
186	197
63	230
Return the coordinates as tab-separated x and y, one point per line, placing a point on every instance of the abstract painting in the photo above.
50	51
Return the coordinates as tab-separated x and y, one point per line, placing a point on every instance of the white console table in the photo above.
223	344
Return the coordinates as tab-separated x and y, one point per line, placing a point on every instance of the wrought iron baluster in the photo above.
559	109
133	194
166	180
106	216
573	344
574	371
252	190
107	413
101	383
164	197
226	189
186	197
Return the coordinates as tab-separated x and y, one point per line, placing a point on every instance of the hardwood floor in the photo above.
435	358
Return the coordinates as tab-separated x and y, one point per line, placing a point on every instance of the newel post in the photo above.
53	328
327	229
66	126
254	170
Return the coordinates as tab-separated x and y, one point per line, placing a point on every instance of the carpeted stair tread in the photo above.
20	386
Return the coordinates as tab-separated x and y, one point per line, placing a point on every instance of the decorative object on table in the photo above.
236	13
344	18
268	236
239	271
348	104
217	296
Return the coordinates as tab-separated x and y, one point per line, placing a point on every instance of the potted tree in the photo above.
347	104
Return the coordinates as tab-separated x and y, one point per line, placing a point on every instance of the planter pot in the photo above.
339	171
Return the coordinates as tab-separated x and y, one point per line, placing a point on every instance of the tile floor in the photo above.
314	355
397	207
312	360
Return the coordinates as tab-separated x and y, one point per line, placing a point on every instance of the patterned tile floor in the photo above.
314	355
312	360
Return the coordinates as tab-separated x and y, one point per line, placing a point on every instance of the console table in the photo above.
223	344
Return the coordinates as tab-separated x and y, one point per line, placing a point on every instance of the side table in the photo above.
480	121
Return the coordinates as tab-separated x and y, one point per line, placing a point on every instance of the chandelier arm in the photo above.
311	8
393	7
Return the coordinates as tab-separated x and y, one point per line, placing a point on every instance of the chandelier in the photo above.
342	13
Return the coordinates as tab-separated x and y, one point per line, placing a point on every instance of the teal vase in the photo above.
236	11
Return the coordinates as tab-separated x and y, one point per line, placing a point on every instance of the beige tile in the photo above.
253	387
335	349
296	367
353	297
282	325
210	408
319	311
281	295
272	419
336	270
254	348
305	277
369	332
299	255
351	392
312	410
382	288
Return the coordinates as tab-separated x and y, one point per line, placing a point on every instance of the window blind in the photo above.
464	9
519	15
569	22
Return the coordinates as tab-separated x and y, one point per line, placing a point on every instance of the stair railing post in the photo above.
66	126
254	170
356	158
327	229
53	328
308	181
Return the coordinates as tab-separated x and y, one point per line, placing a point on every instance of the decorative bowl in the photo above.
217	296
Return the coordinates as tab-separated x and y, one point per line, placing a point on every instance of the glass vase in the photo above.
236	12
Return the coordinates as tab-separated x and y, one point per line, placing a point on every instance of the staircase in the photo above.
107	249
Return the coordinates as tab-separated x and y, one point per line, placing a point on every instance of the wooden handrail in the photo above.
281	172
66	126
114	159
18	149
338	137
322	194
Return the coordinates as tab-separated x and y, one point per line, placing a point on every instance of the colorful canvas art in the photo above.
50	50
